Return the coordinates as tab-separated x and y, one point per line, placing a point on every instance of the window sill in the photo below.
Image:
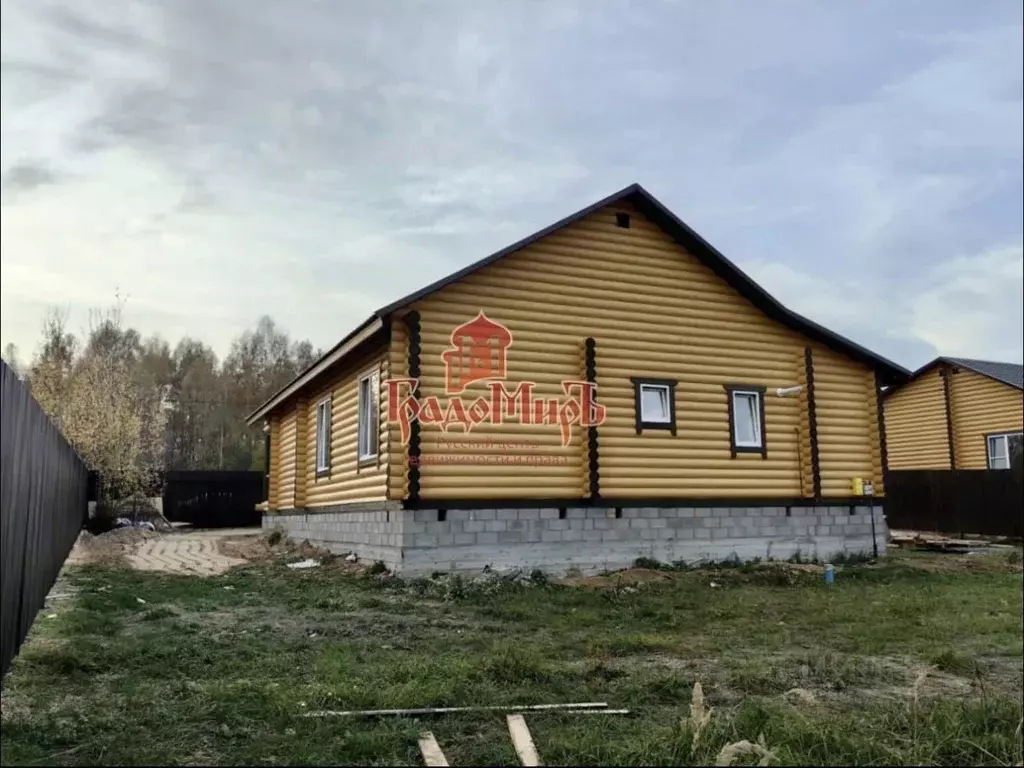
323	473
737	449
662	425
367	461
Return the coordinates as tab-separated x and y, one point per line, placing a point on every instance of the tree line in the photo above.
135	406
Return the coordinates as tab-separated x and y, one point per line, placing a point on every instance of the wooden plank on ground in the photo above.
588	705
522	740
431	751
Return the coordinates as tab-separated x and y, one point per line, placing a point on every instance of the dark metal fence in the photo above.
961	501
213	498
43	491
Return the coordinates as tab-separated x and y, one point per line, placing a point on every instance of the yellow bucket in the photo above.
857	486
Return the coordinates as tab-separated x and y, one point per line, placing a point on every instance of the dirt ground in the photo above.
200	553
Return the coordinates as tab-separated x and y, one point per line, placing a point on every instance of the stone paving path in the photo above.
194	552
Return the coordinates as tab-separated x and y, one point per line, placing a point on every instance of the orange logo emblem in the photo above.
477	353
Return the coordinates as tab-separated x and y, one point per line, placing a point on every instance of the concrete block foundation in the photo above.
591	539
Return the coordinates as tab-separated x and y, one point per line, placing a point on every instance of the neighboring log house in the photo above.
956	413
628	391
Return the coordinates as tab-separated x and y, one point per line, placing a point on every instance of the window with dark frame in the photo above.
746	419
1003	449
655	404
323	437
369	417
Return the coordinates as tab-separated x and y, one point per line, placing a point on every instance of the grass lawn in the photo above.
913	661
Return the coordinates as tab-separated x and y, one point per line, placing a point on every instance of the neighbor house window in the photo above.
1003	450
323	437
369	416
746	419
655	404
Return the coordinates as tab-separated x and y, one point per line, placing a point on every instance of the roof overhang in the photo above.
348	345
949	362
889	373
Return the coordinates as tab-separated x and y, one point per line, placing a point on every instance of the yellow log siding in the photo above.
847	415
286	464
274	482
302	458
981	406
347	481
655	311
915	424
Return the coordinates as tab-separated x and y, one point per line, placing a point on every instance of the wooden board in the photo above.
522	740
432	754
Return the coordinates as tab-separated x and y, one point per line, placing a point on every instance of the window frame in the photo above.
731	391
372	455
323	469
1005	435
641	424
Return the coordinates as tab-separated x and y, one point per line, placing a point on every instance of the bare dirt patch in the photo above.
270	546
109	549
628	578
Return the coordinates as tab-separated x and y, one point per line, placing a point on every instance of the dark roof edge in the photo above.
700	248
973	365
685	236
758	296
957	361
509	250
311	367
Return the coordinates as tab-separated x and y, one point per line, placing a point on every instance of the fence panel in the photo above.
213	498
961	501
43	491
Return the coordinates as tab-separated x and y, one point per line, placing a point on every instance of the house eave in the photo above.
349	344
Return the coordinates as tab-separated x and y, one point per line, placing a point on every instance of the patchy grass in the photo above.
898	663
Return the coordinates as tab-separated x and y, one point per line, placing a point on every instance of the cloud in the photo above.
972	306
967	306
26	176
316	160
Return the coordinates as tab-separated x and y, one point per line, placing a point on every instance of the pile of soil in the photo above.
630	577
123	537
108	548
270	546
262	547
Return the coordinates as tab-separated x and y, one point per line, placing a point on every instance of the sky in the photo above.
214	160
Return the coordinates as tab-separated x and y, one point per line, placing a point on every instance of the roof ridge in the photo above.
693	243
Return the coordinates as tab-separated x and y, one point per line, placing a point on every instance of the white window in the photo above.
323	436
369	416
655	405
1003	450
654	401
746	418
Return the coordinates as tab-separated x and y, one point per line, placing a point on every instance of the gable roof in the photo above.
1011	374
649	206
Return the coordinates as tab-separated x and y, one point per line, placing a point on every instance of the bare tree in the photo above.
133	405
260	362
50	374
100	403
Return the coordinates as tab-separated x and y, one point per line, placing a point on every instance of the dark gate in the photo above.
961	501
213	498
